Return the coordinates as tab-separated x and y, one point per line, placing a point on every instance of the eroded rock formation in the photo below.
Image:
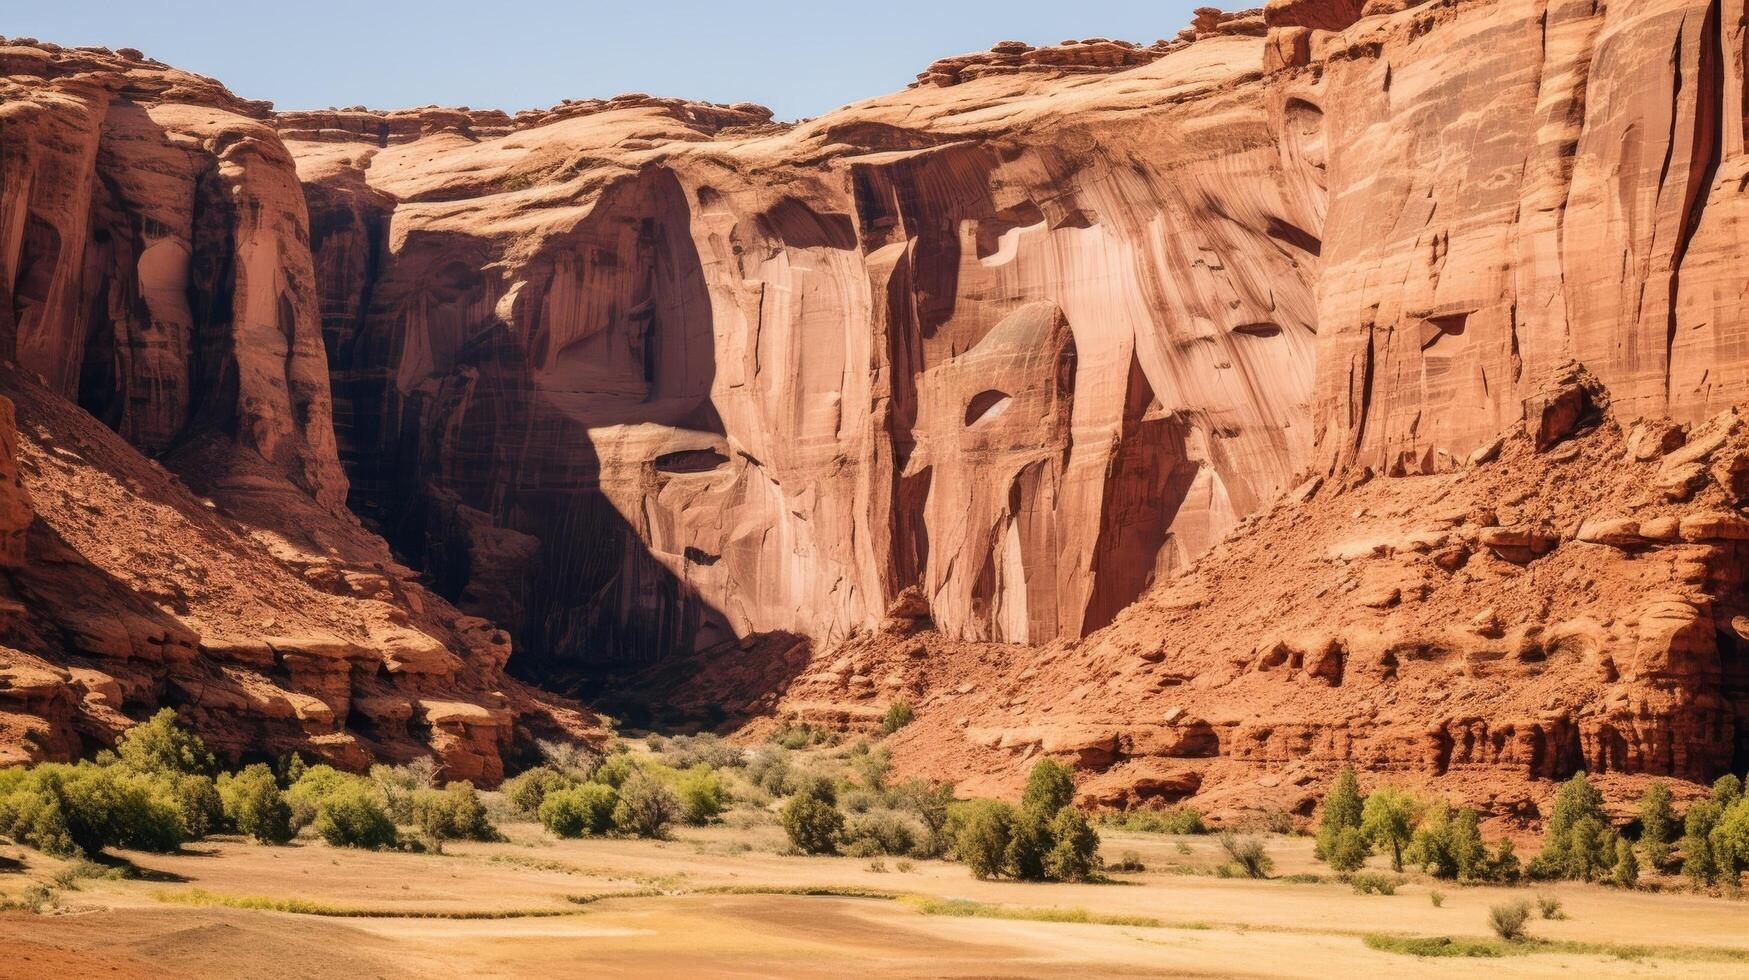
943	394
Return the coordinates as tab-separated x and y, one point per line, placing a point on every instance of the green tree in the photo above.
1730	840
1699	864
1349	851
1028	844
811	817
577	810
898	715
1658	825
161	745
1575	838
1342	810
1727	789
254	804
1448	843
1388	819
1626	872
529	789
1049	787
1074	853
981	830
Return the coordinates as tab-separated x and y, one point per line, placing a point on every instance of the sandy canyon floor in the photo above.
721	902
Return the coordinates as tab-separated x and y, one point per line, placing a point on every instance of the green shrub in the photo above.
291	769
452	813
1348	851
879	833
980	830
1049	787
687	751
1727	789
615	770
1699	863
1388	818
1373	883
1576	842
197	796
769	769
352	815
254	804
871	766
1658	825
315	784
898	715
1342	811
811	818
1029	841
526	791
1626	873
80	809
1248	854
162	745
1448	844
1730	840
578	810
1550	906
702	797
1074	853
1177	820
645	807
398	784
1129	862
1508	919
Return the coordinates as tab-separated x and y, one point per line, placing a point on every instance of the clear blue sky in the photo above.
800	58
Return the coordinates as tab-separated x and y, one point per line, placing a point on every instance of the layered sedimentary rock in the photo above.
650	377
943	394
160	299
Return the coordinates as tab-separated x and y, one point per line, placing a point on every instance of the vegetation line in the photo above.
302	906
1448	946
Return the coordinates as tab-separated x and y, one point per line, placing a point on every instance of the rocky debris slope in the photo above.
160	298
1571	596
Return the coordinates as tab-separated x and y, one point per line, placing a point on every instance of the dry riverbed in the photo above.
720	902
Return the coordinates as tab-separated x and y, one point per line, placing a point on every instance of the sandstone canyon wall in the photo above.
943	394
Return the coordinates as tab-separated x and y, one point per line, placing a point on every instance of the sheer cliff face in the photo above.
1512	185
647	377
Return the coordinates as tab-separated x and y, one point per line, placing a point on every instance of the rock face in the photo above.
651	377
945	395
160	298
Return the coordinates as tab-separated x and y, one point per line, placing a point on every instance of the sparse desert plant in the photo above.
1248	854
905	866
899	714
1508	919
352	815
452	813
1129	862
1183	848
1550	907
1437	897
578	810
645	807
686	751
980	830
1373	883
811	818
878	866
254	804
572	758
871	766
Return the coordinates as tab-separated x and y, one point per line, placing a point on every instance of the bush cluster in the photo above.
620	796
1444	842
1046	838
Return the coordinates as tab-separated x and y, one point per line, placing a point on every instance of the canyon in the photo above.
1337	382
